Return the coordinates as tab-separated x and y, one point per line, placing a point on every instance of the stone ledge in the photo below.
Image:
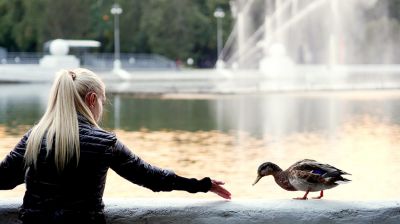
123	211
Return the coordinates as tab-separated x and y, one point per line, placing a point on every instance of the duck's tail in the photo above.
340	180
334	176
343	181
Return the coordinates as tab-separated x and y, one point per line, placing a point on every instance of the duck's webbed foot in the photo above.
320	195
304	197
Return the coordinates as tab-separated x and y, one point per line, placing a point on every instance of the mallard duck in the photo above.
305	175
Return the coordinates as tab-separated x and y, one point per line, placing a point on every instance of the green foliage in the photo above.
178	29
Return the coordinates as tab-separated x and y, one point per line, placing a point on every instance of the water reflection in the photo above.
227	137
274	114
21	105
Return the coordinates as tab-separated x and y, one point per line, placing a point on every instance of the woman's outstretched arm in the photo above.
134	169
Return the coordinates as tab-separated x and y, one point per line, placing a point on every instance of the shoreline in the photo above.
205	82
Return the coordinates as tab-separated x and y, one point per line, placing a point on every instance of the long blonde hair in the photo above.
60	121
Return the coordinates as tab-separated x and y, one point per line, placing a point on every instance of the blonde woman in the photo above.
64	159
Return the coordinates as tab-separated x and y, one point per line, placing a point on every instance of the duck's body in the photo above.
282	179
305	175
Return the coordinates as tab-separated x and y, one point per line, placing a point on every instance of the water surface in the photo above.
228	136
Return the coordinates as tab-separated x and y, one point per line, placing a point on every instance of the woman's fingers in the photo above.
219	190
218	182
224	193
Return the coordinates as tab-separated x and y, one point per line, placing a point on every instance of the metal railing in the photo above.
104	61
21	58
97	61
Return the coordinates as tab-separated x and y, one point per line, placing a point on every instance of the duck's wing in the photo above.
301	174
310	173
301	162
305	177
314	167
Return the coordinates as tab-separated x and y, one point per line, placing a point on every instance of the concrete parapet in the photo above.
124	211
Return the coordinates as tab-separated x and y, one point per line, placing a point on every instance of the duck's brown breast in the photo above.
282	180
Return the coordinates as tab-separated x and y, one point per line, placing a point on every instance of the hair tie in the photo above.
73	75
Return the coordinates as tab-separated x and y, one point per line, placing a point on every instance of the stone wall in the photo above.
124	211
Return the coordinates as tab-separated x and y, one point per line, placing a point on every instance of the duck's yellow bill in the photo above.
257	179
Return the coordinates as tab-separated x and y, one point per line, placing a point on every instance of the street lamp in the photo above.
219	14
116	10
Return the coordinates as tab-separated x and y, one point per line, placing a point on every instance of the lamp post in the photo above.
116	10
219	14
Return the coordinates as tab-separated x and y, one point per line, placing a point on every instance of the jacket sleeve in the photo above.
12	171
134	169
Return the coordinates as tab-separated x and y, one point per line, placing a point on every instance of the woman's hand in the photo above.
219	190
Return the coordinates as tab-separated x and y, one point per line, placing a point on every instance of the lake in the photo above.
227	136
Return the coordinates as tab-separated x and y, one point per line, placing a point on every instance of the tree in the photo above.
177	29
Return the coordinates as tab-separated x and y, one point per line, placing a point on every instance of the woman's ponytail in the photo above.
60	121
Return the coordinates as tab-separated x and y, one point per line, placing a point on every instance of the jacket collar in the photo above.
83	119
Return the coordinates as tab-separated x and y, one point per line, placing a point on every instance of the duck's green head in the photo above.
266	169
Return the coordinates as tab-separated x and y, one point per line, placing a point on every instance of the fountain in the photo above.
276	63
59	57
312	44
275	45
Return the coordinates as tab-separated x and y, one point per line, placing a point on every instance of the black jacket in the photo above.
78	189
